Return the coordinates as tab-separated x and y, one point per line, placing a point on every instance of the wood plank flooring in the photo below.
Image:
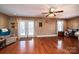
49	45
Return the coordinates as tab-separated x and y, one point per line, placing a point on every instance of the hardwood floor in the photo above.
49	45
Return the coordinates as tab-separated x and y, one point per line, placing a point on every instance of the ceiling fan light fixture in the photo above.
51	15
52	9
52	12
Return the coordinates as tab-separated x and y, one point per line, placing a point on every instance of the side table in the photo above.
2	42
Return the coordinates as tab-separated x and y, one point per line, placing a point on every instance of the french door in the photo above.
60	27
25	28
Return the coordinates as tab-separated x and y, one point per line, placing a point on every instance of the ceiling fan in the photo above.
52	11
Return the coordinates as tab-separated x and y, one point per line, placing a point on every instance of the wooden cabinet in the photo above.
60	33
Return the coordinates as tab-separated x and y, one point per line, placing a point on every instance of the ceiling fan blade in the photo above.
54	14
47	15
58	11
45	12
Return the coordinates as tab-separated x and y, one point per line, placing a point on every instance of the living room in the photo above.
33	29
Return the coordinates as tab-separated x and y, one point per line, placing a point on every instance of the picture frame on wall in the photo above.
40	24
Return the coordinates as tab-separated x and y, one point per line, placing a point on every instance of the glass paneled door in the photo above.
30	28
60	27
25	28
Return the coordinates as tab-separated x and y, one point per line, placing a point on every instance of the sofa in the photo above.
10	39
77	34
71	32
5	34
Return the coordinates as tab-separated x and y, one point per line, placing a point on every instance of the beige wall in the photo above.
73	23
65	25
13	20
3	21
48	28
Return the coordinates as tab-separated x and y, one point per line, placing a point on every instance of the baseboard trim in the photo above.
46	35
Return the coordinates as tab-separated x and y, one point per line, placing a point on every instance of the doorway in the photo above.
25	28
60	27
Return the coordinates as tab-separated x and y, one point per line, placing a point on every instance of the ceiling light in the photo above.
52	9
51	15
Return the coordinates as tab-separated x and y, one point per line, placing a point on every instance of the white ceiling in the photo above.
37	9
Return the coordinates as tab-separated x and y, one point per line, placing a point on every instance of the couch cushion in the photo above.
4	32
